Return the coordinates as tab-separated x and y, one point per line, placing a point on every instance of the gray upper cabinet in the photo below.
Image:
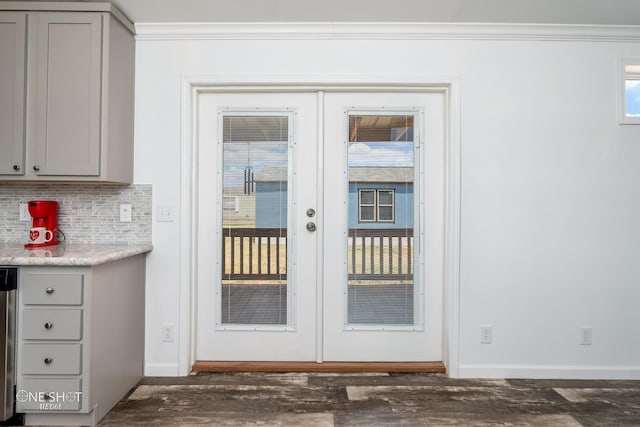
68	78
12	92
77	116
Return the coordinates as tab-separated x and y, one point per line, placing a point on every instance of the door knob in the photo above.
311	226
311	212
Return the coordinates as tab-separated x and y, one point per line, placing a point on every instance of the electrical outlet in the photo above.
125	213
168	332
166	213
586	335
486	333
24	212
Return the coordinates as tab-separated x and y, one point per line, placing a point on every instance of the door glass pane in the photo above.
254	225
380	261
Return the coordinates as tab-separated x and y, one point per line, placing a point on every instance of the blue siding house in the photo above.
271	197
379	197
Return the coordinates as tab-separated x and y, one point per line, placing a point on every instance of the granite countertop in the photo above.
70	254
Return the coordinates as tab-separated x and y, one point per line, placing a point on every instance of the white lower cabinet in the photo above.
66	397
52	324
51	359
80	340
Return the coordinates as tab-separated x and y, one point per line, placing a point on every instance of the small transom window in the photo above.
630	99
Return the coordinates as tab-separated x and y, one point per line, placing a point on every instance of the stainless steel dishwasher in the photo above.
8	286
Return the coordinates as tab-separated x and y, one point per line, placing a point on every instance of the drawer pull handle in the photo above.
48	360
48	325
50	291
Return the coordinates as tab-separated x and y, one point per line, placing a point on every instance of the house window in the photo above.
630	91
230	204
367	205
376	205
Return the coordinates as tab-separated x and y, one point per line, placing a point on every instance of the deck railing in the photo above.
254	253
373	254
380	254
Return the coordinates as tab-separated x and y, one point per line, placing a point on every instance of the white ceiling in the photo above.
598	12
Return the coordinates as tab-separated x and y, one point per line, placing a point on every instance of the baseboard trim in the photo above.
550	372
61	419
162	370
208	366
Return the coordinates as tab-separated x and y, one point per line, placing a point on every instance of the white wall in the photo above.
550	188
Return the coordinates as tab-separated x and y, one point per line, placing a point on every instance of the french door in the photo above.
320	226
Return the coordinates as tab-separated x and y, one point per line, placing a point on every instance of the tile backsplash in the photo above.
87	213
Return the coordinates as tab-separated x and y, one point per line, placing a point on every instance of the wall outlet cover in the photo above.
125	213
486	333
586	335
168	332
166	213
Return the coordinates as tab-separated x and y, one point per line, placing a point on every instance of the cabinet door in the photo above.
12	92
69	74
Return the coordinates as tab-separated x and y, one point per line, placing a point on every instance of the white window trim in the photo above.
376	206
236	208
195	85
393	206
623	76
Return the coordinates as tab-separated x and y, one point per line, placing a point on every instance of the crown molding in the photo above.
68	6
386	31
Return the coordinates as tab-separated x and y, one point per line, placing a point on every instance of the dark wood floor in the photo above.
319	399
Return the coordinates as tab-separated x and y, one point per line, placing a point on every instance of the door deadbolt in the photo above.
311	212
311	226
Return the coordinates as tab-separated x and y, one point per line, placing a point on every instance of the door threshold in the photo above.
425	367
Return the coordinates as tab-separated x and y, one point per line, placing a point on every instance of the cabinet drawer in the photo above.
63	289
51	324
49	394
54	359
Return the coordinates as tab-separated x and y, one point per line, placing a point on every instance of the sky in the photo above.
632	89
397	154
259	155
256	155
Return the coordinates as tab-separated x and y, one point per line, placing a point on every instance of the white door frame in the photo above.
195	85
